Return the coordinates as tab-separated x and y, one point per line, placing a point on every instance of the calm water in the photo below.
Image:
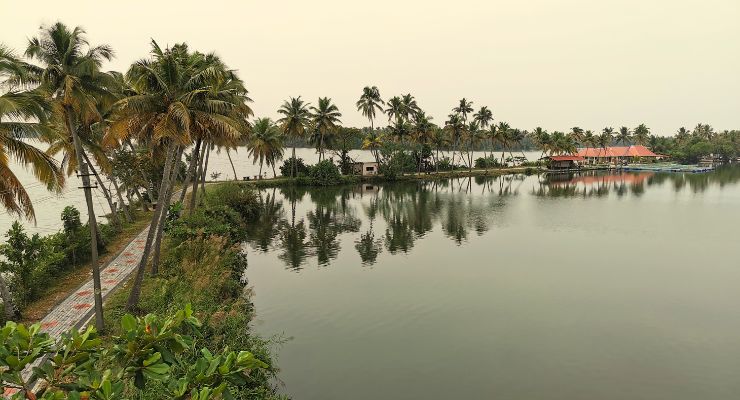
49	206
571	287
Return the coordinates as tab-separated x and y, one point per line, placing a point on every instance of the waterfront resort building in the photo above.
617	154
564	162
366	168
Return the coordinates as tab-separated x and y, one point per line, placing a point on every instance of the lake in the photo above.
49	206
592	286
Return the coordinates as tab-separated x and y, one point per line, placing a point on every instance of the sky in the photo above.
550	63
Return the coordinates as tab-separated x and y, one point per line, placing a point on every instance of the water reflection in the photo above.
602	183
306	225
391	217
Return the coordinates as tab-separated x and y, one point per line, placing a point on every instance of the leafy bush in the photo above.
238	197
150	351
301	168
487	162
325	173
30	263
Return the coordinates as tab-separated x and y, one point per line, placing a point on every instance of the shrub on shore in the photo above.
325	173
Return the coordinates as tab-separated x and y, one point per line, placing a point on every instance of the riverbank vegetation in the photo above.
33	266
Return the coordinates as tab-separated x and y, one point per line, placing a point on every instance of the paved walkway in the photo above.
77	309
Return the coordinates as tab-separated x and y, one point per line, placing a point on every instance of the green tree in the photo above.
17	108
296	118
325	118
71	77
265	143
369	103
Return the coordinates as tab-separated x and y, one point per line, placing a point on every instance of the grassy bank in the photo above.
202	265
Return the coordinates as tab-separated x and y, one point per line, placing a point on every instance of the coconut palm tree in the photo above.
179	95
501	136
483	117
607	136
370	103
265	143
542	139
395	108
423	129
71	77
455	128
641	135
604	140
409	107
325	118
682	135
440	140
296	118
17	108
464	108
373	141
624	136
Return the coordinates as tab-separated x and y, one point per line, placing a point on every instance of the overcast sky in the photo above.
549	63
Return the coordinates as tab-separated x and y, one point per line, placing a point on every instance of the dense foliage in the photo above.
32	262
149	351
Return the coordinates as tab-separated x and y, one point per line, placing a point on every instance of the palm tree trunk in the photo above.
205	170
106	193
7	300
191	170
145	204
236	178
133	298
163	215
91	219
124	206
293	161
196	178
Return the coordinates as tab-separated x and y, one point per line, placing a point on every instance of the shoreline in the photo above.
461	173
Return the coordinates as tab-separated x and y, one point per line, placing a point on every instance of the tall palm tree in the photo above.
17	108
296	118
641	135
682	135
607	136
455	128
577	134
423	129
624	136
483	117
464	108
71	77
369	103
501	136
409	107
395	108
179	95
604	140
265	143
325	118
542	139
440	140
373	141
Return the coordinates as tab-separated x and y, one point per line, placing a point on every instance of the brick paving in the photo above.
77	309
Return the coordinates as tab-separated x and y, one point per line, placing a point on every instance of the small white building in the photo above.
368	168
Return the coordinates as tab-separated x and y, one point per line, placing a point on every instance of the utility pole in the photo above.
85	175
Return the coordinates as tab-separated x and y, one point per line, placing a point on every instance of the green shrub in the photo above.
325	173
240	198
301	168
487	162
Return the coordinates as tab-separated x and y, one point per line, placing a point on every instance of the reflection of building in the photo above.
365	168
614	154
564	162
601	179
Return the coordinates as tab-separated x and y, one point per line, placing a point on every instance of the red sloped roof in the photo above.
566	158
617	151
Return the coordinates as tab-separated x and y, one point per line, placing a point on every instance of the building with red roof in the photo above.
616	153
